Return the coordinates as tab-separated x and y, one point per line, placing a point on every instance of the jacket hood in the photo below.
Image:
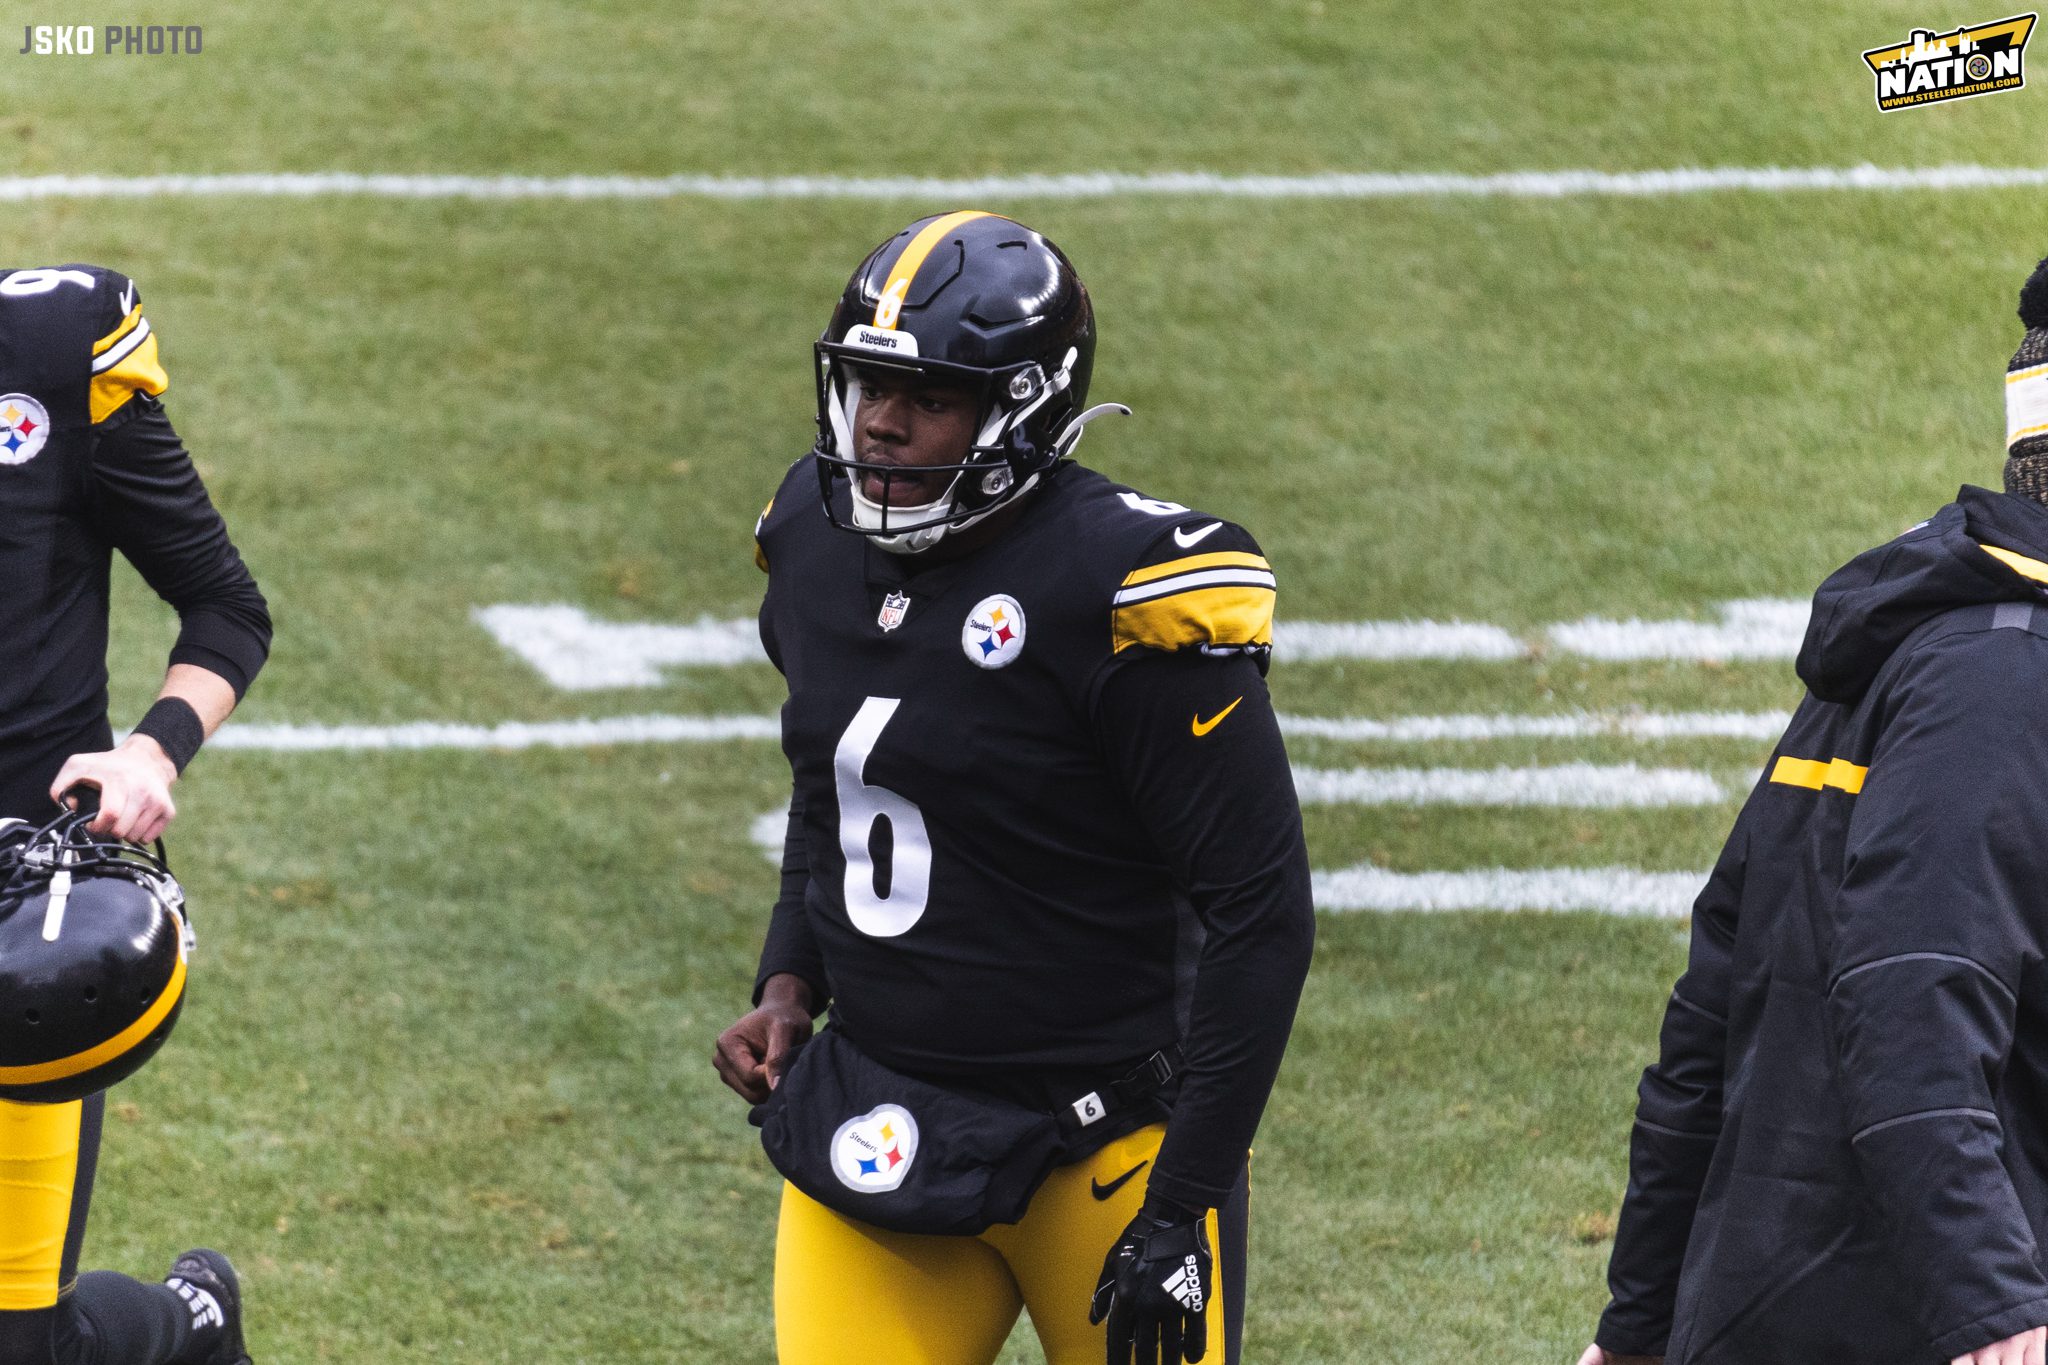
1983	547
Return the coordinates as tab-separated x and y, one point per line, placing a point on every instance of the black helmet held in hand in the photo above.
973	301
93	951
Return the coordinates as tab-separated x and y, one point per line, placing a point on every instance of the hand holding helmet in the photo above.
94	945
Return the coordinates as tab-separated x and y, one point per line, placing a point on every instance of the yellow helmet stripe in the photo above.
63	1068
906	267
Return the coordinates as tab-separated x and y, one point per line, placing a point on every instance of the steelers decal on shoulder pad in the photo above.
994	634
24	426
871	1154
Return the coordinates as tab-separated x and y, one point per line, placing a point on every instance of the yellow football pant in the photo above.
847	1291
42	1197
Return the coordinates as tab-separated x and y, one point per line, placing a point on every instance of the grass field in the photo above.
443	1087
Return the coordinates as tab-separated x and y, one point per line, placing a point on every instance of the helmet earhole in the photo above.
91	994
32	1016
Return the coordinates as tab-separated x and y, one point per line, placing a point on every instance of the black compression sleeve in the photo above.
149	503
1194	741
790	946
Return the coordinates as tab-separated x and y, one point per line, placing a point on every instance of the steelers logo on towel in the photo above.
873	1153
24	426
994	633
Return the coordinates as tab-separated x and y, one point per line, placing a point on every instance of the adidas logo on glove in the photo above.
1185	1284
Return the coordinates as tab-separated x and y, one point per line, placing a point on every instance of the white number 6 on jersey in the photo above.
860	805
24	282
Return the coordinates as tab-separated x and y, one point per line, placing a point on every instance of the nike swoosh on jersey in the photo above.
1105	1191
1203	727
1184	539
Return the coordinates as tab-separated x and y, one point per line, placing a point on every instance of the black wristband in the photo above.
1163	1210
176	728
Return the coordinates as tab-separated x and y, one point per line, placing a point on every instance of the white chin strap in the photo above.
870	515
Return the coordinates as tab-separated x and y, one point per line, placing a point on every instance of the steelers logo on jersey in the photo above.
994	634
24	426
872	1153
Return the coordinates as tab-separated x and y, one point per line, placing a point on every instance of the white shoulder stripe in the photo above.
1205	578
111	358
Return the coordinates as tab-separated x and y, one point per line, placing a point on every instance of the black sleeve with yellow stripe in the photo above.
1188	730
1203	586
149	502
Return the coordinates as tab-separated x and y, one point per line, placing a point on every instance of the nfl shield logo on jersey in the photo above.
994	633
24	426
893	608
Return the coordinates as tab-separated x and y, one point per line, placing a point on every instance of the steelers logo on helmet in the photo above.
994	634
24	427
871	1154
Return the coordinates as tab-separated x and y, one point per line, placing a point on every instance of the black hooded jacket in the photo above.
1841	1153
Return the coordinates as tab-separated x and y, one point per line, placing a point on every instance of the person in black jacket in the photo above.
89	464
1841	1153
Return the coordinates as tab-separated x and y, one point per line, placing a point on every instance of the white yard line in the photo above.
1306	641
1583	786
579	652
560	734
1609	890
660	729
1638	725
1528	184
1761	628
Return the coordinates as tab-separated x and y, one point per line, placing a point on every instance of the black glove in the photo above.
1155	1283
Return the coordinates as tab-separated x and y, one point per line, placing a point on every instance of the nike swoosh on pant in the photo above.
1105	1191
1202	727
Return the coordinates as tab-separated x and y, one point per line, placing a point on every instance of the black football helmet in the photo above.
977	301
93	948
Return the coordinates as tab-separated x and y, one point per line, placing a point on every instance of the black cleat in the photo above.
206	1281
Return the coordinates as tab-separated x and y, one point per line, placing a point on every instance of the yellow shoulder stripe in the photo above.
139	371
106	342
906	267
1813	774
2019	564
1220	559
1233	614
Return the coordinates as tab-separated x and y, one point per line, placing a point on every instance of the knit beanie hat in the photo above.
2026	395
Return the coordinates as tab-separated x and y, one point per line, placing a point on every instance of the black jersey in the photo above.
89	464
1015	775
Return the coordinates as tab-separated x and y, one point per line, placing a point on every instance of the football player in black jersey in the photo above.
89	464
1043	841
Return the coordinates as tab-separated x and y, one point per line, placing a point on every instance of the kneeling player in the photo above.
89	464
1044	857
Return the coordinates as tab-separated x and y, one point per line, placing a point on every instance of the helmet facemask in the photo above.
969	301
1015	443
